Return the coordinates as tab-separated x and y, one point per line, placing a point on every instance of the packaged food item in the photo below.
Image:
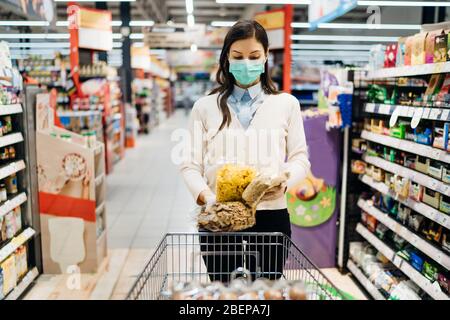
358	167
415	222
429	45
398	131
10	220
1	284
7	125
430	271
390	55
371	223
416	261
9	274
408	50
381	231
446	240
423	135
399	242
418	49
378	174
446	173
422	164
3	193
409	160
3	229
18	218
403	213
12	153
400	59
401	186
377	126
432	198
231	181
237	215
443	96
11	184
435	169
404	291
433	232
444	282
440	48
376	60
440	140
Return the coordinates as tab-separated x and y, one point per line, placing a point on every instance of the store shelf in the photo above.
408	146
412	175
438	114
13	203
407	71
15	243
420	207
23	285
11	168
364	281
99	179
79	113
432	289
8	109
306	87
427	248
100	208
10	139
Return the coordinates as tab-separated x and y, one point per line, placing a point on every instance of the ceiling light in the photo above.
331	46
222	23
137	36
330	53
38	44
405	3
189	6
343	38
190	20
38	52
117	36
138	44
140	23
303	25
114	23
34	36
24	23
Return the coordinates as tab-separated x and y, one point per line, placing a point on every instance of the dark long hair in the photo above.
241	30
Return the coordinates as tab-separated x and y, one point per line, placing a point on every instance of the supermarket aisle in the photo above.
145	195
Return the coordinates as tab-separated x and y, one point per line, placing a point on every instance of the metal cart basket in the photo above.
205	257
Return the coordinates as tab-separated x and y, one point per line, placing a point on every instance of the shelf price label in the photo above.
434	113
370	107
444	115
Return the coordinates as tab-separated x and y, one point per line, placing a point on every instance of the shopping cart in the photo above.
204	257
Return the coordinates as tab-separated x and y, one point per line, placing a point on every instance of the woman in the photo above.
223	126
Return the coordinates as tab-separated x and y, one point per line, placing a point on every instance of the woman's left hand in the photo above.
275	192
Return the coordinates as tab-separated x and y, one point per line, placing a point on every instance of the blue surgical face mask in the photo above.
246	71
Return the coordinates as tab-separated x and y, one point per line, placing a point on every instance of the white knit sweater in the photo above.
274	142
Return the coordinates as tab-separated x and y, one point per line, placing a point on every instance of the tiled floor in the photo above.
146	198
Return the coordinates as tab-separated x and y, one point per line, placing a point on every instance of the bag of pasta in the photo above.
245	189
231	181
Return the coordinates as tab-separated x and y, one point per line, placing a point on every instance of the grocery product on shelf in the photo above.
14	178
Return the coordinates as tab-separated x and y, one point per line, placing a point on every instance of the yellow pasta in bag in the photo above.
231	182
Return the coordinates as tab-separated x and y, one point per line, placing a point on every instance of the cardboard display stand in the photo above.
71	178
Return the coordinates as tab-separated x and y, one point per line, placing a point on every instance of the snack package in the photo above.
227	216
232	181
429	45
440	48
400	59
238	215
418	49
408	50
